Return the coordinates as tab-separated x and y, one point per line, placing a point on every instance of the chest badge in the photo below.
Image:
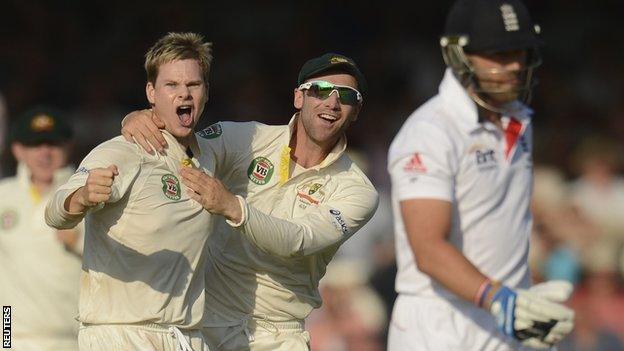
260	170
310	193
8	219
171	187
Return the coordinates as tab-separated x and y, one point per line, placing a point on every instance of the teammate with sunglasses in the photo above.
298	198
322	90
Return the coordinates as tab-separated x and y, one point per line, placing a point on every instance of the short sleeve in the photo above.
421	163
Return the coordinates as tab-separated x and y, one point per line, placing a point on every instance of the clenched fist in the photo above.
97	189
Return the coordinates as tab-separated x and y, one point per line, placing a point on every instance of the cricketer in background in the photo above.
299	197
462	172
142	286
40	266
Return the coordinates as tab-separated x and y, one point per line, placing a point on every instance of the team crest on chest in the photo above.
310	193
8	219
260	170
171	187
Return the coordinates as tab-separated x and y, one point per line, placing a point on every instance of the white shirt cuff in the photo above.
243	206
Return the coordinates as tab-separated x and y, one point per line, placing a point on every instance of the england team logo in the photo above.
510	19
260	170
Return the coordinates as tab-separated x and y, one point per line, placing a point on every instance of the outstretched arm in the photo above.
325	225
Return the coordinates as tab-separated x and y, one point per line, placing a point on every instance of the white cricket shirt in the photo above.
444	152
144	250
294	221
40	277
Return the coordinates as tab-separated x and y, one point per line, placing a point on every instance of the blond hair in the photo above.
178	46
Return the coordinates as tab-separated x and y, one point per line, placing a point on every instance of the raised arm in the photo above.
103	177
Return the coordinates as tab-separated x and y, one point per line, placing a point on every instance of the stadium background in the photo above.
86	58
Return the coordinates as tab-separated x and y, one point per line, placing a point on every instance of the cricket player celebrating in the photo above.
40	266
461	174
142	286
299	197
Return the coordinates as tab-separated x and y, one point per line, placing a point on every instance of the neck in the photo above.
187	141
491	116
486	104
42	186
305	151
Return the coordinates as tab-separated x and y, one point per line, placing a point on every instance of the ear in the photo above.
298	99
150	92
18	151
206	94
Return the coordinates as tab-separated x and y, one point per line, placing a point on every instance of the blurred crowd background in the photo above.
86	57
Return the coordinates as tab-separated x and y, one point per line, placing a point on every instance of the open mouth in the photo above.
328	117
185	115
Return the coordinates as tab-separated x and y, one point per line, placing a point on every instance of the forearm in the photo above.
72	203
288	238
440	260
285	238
57	215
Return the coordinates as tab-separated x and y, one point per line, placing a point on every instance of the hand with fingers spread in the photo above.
211	194
97	189
143	127
536	316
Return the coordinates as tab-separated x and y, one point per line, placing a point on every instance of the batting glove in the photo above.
536	316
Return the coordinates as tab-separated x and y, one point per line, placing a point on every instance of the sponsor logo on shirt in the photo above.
260	170
415	164
339	223
211	132
171	187
82	170
8	219
486	159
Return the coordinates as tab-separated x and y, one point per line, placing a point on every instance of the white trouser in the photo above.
433	324
42	342
140	336
257	334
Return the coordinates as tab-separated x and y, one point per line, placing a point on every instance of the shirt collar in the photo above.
177	150
457	98
60	176
333	155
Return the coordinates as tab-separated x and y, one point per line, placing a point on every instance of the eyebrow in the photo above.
199	81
